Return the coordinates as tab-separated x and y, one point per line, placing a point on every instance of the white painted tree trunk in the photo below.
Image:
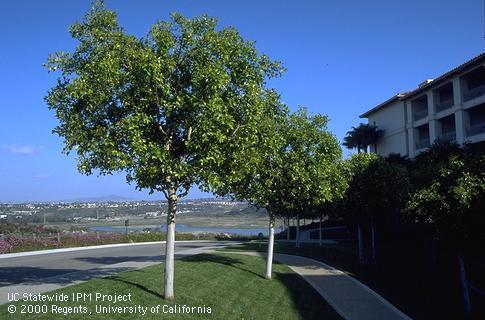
320	231
269	259
170	246
464	286
297	231
360	245
373	239
288	230
434	255
397	221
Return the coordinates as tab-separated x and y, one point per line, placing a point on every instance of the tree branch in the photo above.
235	131
189	134
183	194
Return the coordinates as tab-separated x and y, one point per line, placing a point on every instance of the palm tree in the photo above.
362	136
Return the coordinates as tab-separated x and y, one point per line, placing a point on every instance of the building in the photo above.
450	107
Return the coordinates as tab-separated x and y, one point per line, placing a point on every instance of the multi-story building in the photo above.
450	107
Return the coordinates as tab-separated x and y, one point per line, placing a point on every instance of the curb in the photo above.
114	245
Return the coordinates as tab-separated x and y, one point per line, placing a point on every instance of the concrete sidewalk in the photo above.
349	297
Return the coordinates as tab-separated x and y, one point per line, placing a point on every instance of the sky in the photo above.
342	57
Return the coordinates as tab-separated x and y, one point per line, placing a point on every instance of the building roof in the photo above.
426	85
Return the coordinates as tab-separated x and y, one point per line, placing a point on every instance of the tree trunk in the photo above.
464	286
297	231
269	259
288	230
434	255
170	245
360	245
397	218
320	231
373	239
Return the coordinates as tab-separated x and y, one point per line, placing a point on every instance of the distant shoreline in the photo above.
183	228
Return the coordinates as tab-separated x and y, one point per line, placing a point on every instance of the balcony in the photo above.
476	129
443	97
443	105
473	93
448	136
422	144
421	114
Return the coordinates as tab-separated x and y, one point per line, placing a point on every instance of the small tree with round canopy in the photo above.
299	172
170	109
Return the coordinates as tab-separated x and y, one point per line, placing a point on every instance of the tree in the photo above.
380	191
170	109
449	193
314	163
351	204
377	191
298	173
362	136
449	190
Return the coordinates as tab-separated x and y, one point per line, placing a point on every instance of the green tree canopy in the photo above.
300	170
449	191
380	188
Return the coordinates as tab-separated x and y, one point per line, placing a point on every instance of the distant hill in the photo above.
109	198
115	198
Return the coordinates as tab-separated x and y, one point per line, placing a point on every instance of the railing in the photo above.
422	144
473	93
448	136
443	105
417	115
475	129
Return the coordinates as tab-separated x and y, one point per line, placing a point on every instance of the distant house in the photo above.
450	107
152	214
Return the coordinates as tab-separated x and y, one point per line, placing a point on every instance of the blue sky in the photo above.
343	57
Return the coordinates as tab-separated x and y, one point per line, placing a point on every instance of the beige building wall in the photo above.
391	119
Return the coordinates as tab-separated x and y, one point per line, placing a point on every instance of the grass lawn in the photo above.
230	284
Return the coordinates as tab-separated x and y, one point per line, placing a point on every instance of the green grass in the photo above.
230	284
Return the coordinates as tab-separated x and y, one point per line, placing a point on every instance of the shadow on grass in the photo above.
135	284
224	260
306	299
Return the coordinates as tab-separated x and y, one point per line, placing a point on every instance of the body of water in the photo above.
186	229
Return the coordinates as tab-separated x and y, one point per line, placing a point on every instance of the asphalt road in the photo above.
86	264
